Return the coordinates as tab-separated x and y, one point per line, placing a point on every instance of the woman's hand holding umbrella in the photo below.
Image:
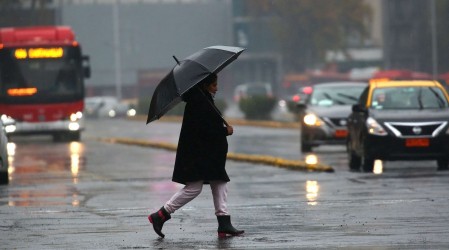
230	129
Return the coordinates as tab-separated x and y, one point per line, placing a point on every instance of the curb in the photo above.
232	121
260	159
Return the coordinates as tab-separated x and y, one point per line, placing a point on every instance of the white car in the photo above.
107	106
3	155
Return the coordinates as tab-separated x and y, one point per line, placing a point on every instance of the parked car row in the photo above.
383	120
107	107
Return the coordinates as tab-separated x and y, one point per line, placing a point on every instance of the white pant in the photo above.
193	189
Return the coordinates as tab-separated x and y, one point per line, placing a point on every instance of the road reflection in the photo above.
54	167
378	167
315	158
312	189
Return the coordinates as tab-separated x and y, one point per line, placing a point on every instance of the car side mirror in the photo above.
358	108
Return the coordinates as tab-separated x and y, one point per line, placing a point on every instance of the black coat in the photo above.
202	146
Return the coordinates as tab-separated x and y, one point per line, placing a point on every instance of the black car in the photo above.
399	120
323	116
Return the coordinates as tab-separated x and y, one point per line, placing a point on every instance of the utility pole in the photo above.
434	40
117	52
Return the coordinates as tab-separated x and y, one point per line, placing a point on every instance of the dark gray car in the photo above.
324	114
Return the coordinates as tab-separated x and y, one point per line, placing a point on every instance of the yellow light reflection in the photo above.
11	151
75	147
11	148
75	200
75	164
75	150
311	159
378	167
312	189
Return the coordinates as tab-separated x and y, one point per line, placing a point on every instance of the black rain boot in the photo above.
158	219
225	227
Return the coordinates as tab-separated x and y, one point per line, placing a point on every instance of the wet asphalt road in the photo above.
95	195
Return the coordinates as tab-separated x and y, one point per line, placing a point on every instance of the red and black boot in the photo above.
225	227
158	219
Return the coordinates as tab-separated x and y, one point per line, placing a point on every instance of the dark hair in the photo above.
209	80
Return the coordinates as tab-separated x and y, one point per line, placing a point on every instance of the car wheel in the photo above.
3	175
368	164
306	148
443	164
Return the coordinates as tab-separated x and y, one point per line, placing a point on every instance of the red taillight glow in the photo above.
296	98
22	91
307	90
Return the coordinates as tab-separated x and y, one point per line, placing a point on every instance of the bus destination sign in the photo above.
38	53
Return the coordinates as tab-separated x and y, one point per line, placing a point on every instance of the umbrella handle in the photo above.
176	59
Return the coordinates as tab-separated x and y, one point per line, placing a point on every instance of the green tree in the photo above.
307	29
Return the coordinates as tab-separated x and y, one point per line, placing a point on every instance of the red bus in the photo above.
42	73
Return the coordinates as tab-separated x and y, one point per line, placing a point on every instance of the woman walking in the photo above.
200	158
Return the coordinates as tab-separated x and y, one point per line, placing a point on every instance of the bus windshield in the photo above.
40	79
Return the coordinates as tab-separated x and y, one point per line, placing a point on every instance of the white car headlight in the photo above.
111	113
10	128
131	112
312	120
374	127
7	120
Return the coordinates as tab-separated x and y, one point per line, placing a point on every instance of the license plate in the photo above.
417	142
341	133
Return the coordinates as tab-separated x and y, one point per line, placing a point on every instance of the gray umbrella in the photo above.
186	74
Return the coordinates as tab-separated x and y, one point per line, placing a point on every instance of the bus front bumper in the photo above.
23	128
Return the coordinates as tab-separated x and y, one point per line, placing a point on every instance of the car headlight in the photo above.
312	120
76	116
131	112
111	113
374	127
7	120
10	128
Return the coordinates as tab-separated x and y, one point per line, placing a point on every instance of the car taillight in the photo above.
296	98
307	90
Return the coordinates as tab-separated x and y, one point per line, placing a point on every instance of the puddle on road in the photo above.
55	167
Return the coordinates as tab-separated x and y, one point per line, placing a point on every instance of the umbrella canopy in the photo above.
186	74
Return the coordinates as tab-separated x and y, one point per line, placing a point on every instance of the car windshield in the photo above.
409	98
336	95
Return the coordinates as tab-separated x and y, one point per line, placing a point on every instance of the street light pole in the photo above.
117	52
434	39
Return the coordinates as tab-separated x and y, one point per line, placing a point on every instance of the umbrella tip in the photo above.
176	59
